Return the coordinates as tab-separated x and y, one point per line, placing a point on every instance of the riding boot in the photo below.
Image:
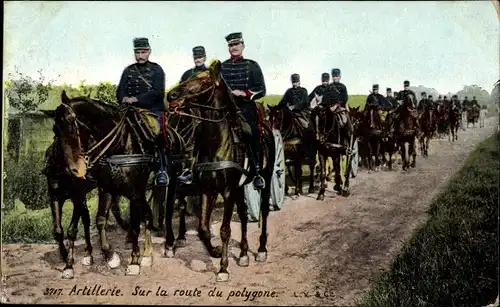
258	181
162	176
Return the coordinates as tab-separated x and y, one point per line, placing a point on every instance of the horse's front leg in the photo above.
312	169
322	177
207	203
370	155
169	250
136	217
298	176
413	151
110	256
402	148
378	161
336	158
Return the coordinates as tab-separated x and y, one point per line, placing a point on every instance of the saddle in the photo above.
150	124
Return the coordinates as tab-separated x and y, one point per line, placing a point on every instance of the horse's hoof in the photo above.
68	274
87	260
243	261
261	257
180	243
222	277
320	197
169	252
133	270
147	261
114	261
345	193
216	252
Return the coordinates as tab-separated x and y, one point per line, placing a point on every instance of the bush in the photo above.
24	181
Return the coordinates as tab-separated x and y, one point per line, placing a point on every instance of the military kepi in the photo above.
388	90
233	38
141	43
199	52
406	83
375	87
335	72
295	78
325	77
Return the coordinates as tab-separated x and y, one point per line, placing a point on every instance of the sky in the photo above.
444	45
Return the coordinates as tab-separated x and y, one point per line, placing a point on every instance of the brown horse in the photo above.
357	116
473	115
407	129
442	120
299	140
220	163
61	187
427	129
121	161
335	137
375	131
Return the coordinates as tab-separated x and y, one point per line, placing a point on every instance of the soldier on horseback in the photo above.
376	100
439	101
199	58
320	90
142	85
424	103
390	98
336	92
466	104
246	81
407	92
474	102
295	97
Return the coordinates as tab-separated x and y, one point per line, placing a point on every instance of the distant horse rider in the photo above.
320	90
390	98
406	92
246	81
295	97
377	100
466	104
474	102
199	58
142	84
423	104
336	92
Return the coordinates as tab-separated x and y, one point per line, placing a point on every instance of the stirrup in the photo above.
258	176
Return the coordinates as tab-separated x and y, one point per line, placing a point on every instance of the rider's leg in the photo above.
249	111
161	176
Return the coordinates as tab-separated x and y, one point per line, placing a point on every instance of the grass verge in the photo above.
452	259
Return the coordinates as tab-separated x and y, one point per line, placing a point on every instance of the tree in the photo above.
482	95
106	91
26	94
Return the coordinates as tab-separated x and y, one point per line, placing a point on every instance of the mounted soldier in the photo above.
424	103
295	97
456	102
336	92
430	100
376	100
320	90
466	104
474	101
439	101
407	92
246	81
446	102
142	85
199	58
390	98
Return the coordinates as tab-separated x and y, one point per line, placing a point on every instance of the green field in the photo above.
452	260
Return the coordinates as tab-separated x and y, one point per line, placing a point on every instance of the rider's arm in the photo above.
157	92
284	99
305	102
312	94
345	96
257	88
121	91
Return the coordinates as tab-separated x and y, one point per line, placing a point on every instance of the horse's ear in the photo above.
64	97
214	69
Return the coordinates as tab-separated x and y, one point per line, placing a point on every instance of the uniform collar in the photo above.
236	58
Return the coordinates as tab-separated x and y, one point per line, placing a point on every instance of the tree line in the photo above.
26	94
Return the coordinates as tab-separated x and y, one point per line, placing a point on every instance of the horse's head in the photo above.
76	121
277	117
356	116
205	91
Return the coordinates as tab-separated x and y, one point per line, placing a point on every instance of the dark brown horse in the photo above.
220	162
356	115
121	162
442	120
455	120
406	131
473	115
299	140
335	137
427	128
61	187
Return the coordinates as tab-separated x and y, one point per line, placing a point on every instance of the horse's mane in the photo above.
102	105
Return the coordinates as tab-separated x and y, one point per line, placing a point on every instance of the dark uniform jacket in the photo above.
320	90
424	104
474	102
404	93
192	72
245	75
149	90
336	92
466	104
391	101
296	97
376	101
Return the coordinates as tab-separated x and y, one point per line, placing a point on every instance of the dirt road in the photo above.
337	247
